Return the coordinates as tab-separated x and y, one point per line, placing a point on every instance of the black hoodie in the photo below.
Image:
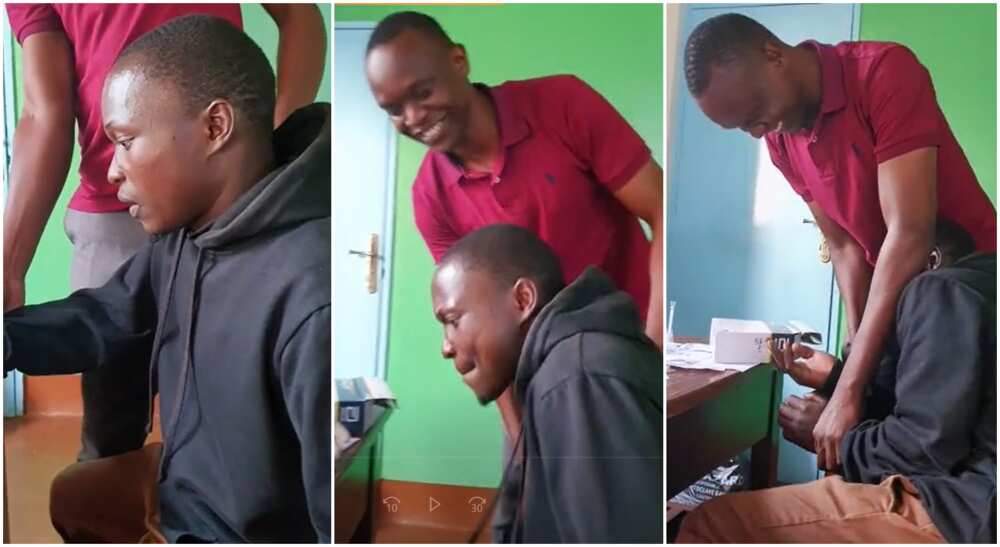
932	402
590	464
235	321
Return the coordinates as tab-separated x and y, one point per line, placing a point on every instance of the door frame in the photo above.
13	384
388	228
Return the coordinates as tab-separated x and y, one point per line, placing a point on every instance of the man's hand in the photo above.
13	293
805	365
841	414
797	418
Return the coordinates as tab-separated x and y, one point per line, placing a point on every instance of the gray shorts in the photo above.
115	399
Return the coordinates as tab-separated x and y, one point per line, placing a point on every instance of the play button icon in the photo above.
432	504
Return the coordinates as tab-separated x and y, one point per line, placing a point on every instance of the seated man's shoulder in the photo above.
974	276
606	357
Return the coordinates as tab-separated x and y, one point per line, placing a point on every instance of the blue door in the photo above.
13	392
740	242
364	185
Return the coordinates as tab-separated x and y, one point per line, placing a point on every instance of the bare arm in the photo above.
301	56
854	275
43	148
643	197
908	198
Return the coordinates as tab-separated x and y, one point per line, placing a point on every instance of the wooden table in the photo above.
712	416
354	485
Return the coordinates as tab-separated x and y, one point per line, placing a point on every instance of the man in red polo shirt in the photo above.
67	51
857	131
548	154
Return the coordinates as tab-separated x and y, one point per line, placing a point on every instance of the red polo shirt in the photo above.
98	33
565	150
878	103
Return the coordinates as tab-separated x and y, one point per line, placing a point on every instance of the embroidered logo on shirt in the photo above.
550	178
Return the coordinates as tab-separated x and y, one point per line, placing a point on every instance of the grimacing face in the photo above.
160	152
482	323
756	96
423	86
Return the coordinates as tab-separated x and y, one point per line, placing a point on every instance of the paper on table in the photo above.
698	357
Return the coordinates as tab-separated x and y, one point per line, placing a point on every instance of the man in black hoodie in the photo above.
229	301
588	385
921	466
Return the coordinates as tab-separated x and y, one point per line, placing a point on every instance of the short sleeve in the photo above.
436	233
600	136
28	19
902	106
776	149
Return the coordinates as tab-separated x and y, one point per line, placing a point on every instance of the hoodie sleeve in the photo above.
601	445
305	375
111	324
941	326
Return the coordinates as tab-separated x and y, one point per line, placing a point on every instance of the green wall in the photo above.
48	277
958	45
440	434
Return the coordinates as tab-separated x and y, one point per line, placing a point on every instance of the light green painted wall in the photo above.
440	434
958	45
48	277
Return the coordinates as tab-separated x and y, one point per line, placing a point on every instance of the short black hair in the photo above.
208	58
508	253
721	40
393	25
953	240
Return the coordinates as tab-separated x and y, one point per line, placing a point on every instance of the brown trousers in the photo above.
824	511
109	500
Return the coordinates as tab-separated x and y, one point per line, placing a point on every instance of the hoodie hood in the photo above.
591	303
296	191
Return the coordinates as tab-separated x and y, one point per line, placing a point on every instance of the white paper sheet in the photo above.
698	357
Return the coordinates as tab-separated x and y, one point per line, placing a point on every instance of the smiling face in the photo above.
159	162
483	326
756	95
422	84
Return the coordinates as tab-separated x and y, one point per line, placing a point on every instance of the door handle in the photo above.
372	257
824	247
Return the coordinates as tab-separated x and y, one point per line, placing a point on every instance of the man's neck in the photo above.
481	147
809	69
248	169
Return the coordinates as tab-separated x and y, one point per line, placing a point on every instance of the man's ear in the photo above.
773	53
219	123
525	298
459	60
935	259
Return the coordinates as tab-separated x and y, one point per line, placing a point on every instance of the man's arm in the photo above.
643	197
43	147
114	323
908	197
854	275
301	56
305	371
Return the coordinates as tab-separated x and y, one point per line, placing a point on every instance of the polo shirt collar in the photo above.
511	124
833	96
